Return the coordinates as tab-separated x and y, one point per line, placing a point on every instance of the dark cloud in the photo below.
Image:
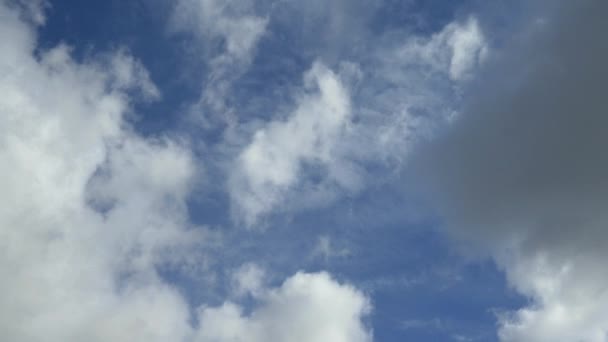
522	173
527	156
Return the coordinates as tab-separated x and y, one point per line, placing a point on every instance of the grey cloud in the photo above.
523	172
531	146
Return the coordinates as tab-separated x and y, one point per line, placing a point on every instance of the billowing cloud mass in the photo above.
90	210
307	307
523	173
79	264
272	163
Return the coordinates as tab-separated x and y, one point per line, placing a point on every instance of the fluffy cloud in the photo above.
77	265
272	163
522	173
90	210
307	307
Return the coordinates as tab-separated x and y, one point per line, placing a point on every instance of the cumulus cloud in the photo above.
522	173
307	307
71	270
271	164
90	210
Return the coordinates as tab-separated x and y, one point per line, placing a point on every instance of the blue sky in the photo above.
277	170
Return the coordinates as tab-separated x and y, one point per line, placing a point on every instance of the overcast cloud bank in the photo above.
522	174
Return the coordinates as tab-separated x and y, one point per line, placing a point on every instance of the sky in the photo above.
296	171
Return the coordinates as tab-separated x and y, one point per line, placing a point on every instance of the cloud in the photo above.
271	165
352	116
232	21
32	10
90	211
248	279
468	48
412	84
307	307
235	27
455	50
72	271
326	250
522	173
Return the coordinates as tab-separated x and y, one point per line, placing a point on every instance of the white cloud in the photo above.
307	307
468	49
272	163
235	24
455	51
233	21
570	299
89	209
326	250
71	273
128	73
317	153
248	279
